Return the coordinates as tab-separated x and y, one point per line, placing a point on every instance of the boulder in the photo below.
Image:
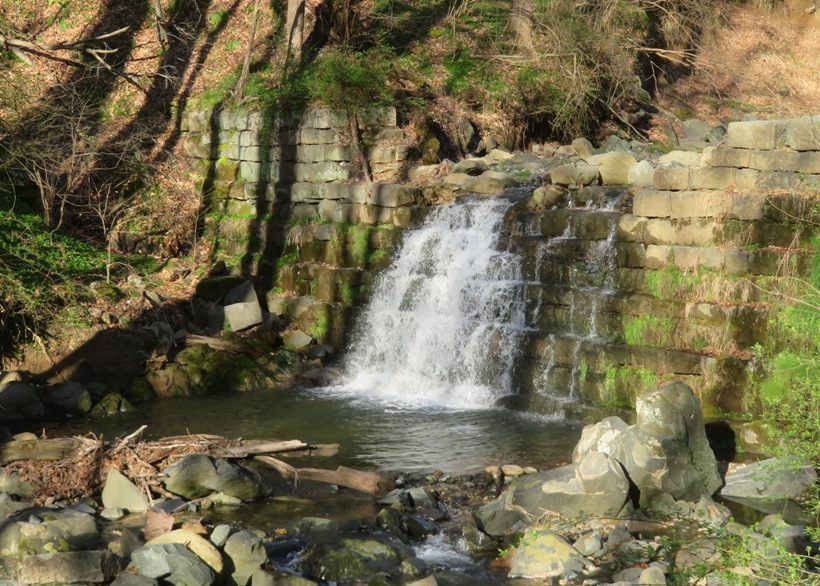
58	530
203	548
577	174
349	559
775	479
613	166
133	580
472	167
296	340
246	554
266	578
595	486
19	401
85	567
583	147
110	404
199	475
544	197
684	158
172	562
642	175
71	397
242	309
666	451
120	492
545	554
213	288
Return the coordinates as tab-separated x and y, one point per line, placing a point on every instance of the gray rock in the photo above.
546	555
775	479
349	559
119	492
10	483
577	174
133	580
58	530
613	166
265	578
616	143
174	563
589	544
790	537
697	553
19	401
242	316
296	340
642	175
472	167
246	553
220	534
200	546
198	475
70	567
70	397
583	147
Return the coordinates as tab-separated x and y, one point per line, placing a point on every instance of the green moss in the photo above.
647	330
623	384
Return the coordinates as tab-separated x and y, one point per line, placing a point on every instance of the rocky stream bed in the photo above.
634	506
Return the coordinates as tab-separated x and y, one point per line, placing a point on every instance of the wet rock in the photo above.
266	578
71	397
203	548
88	567
545	554
120	492
110	404
172	562
138	390
485	184
775	479
349	559
418	527
19	401
199	475
246	553
543	198
312	525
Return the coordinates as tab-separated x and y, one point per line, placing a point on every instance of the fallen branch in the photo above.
368	482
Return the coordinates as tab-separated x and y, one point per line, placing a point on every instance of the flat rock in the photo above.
90	567
120	492
203	548
172	562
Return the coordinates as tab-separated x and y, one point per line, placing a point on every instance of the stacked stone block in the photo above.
287	190
696	259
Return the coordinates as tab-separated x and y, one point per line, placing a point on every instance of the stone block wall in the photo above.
287	203
679	280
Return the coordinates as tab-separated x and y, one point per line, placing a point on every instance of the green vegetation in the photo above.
647	330
625	383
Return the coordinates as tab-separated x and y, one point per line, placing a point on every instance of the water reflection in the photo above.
371	434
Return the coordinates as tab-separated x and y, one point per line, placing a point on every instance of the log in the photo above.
368	482
41	449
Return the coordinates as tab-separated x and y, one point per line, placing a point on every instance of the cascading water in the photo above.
445	320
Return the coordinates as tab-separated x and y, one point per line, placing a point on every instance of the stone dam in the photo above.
624	287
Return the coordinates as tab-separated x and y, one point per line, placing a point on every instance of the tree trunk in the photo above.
246	64
295	28
520	25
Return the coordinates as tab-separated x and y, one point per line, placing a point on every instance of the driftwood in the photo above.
66	468
369	482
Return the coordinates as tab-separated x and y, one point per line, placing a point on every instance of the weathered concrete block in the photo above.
248	138
322	118
387	154
677	232
378	117
392	196
652	203
736	262
756	134
337	211
631	228
195	147
713	178
314	136
249	171
672	178
320	172
803	134
323	153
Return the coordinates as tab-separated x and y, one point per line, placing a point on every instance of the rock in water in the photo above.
199	475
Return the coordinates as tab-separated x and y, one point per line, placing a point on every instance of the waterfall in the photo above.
445	320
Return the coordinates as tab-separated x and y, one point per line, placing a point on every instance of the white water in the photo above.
445	320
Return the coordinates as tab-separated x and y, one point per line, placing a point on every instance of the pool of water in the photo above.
372	433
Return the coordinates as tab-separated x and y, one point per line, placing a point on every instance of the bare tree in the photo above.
519	25
295	29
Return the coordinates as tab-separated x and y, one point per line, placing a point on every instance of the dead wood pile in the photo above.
70	468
